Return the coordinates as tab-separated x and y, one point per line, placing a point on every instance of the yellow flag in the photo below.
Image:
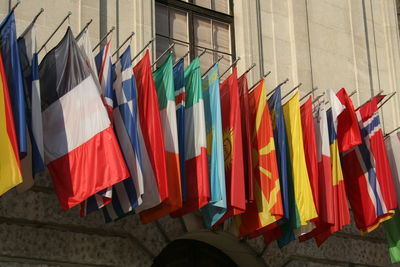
304	201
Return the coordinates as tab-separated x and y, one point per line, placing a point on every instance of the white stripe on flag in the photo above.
195	130
169	126
74	118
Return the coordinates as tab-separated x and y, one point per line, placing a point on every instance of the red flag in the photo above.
150	123
233	147
246	130
348	132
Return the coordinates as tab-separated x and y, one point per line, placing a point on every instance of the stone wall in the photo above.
317	42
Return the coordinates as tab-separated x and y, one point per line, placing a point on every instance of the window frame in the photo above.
195	10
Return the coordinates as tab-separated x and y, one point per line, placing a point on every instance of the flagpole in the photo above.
126	40
218	60
15	6
388	134
282	83
54	32
352	93
84	28
318	97
166	51
202	53
288	93
263	77
309	93
250	68
379	93
387	99
104	37
33	21
182	57
144	48
233	64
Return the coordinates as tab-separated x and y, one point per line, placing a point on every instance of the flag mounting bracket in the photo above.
263	77
54	32
33	21
163	53
126	40
144	48
232	65
84	28
218	60
104	37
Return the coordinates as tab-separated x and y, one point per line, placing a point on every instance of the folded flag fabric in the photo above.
197	182
164	81
233	147
310	153
13	71
151	137
340	211
104	69
348	131
84	44
33	163
179	84
81	152
126	195
288	222
267	207
367	175
10	171
304	203
216	207
246	134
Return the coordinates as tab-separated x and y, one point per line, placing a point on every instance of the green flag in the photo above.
392	229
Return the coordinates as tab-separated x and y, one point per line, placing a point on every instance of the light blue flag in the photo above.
216	208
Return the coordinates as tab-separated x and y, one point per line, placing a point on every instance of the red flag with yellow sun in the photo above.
267	207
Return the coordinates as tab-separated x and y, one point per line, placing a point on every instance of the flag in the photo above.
246	134
104	71
392	231
164	81
125	195
13	71
310	153
348	132
267	207
324	184
304	203
233	147
84	44
150	137
367	175
197	183
33	163
340	211
391	226
80	148
179	84
10	171
284	232
216	208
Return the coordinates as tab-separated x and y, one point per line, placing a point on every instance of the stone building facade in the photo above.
320	43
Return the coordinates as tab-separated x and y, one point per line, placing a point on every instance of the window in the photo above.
195	25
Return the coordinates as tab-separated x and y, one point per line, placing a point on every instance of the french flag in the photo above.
80	147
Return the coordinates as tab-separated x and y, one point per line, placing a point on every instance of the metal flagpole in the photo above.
387	99
379	93
202	53
144	48
309	93
233	64
263	77
288	93
352	93
54	32
218	60
84	28
33	21
15	6
276	87
166	51
182	57
389	133
250	68
104	37
318	97
126	40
